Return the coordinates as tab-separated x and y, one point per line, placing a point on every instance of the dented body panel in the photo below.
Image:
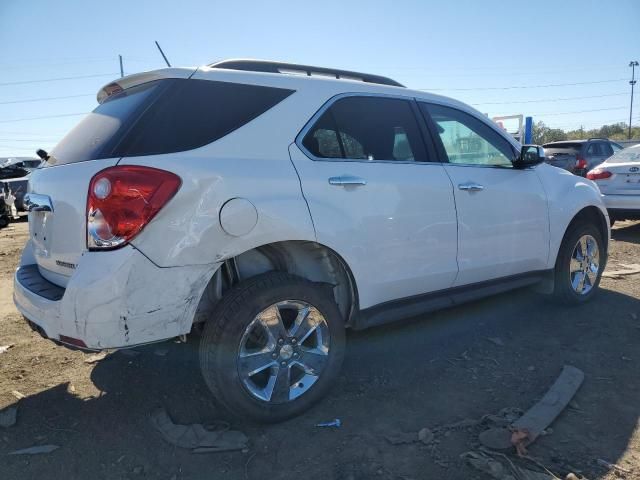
118	299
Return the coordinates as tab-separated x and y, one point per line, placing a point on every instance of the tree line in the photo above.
617	131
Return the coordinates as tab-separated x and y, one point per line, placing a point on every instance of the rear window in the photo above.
626	155
568	148
164	116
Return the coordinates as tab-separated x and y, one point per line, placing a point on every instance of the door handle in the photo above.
345	180
471	187
34	202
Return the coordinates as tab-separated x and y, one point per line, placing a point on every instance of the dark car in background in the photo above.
579	156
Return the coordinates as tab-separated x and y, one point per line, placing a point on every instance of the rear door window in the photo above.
367	128
165	116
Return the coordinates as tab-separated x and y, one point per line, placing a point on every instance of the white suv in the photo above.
273	205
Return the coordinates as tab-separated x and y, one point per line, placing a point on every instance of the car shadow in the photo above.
626	232
463	362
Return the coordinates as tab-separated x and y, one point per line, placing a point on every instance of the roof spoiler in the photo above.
129	81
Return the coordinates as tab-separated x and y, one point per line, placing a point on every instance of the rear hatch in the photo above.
562	154
59	235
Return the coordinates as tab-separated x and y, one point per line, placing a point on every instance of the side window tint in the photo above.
322	141
615	147
193	113
352	147
369	128
401	147
467	140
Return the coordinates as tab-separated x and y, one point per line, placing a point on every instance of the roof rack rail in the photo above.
599	138
308	70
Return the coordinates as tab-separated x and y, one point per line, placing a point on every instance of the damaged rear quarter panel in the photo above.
124	299
251	163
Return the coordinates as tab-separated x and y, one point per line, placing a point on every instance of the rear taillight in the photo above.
122	200
598	174
581	163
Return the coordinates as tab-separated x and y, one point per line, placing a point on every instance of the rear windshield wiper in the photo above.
42	154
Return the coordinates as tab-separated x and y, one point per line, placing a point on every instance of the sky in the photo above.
562	62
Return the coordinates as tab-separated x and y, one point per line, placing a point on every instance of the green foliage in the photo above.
617	131
543	134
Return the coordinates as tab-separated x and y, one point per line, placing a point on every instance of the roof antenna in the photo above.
162	53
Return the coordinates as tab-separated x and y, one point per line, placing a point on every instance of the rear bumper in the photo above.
113	299
618	205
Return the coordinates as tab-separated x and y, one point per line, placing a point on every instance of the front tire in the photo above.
272	347
579	265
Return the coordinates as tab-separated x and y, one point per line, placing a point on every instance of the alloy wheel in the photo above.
283	351
584	265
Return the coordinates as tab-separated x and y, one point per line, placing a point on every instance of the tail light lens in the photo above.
598	174
122	200
581	163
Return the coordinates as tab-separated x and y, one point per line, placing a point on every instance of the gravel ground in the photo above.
457	364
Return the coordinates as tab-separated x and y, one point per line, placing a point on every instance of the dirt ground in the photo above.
430	372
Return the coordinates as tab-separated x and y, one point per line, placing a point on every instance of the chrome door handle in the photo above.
344	180
471	187
37	203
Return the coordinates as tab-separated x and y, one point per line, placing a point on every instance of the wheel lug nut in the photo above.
274	355
284	364
295	355
293	340
280	341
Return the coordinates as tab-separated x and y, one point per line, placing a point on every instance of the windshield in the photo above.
631	154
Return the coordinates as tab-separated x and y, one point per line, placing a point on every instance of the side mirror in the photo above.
529	155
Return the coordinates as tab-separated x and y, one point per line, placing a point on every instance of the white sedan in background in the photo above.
619	181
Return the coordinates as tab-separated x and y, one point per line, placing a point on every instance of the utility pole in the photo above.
633	64
121	69
163	55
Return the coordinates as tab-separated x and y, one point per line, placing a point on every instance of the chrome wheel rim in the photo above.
283	351
584	265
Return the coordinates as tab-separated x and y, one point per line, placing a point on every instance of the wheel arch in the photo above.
594	215
307	259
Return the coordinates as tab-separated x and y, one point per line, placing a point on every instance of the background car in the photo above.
27	163
579	156
15	179
619	181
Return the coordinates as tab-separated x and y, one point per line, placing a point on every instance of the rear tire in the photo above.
272	347
581	260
